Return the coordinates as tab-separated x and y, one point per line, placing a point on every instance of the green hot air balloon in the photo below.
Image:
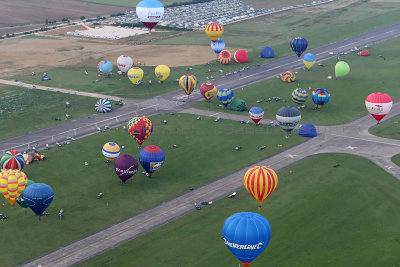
238	105
341	69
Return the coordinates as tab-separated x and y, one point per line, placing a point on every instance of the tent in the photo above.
308	130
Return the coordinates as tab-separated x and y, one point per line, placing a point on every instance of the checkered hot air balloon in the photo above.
225	96
103	106
140	128
260	181
299	96
288	77
188	83
224	57
12	184
12	160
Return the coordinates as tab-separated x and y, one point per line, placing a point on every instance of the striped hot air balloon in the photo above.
225	96
214	31
288	117
12	184
12	160
299	45
299	96
224	57
111	151
288	77
103	106
260	181
188	83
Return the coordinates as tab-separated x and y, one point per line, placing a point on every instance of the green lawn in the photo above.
396	159
205	153
24	110
387	129
347	102
320	215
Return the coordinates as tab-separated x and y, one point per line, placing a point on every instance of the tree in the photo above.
82	17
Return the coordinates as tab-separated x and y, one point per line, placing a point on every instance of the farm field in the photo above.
76	186
320	215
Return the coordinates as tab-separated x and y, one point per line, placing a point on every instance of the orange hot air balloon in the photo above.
214	31
12	184
260	181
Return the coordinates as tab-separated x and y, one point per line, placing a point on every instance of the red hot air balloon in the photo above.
208	90
378	105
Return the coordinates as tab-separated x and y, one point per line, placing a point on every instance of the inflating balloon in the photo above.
378	105
124	63
188	83
309	60
267	52
150	12
20	199
224	57
299	96
208	90
260	182
288	117
320	97
103	106
225	96
308	130
241	56
151	158
238	105
125	167
288	77
12	184
162	72
111	151
218	46
364	53
38	197
12	160
140	128
135	75
299	45
105	67
341	69
256	114
214	31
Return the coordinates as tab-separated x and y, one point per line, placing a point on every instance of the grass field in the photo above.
396	159
367	75
210	144
128	3
23	111
319	216
388	129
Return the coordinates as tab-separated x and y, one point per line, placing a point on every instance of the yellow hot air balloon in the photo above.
188	82
12	184
214	31
162	72
135	74
260	181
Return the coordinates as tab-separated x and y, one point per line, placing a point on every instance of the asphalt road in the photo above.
352	138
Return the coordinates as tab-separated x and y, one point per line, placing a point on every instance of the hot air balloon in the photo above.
378	105
267	52
208	90
341	69
20	199
214	31
162	72
288	118
238	105
241	56
188	83
125	167
309	60
320	97
38	197
246	235
140	128
224	57
124	63
308	130
151	158
288	77
12	184
364	53
218	46
111	151
135	75
12	160
225	96
299	96
103	106
105	67
299	45
260	182
150	12
256	114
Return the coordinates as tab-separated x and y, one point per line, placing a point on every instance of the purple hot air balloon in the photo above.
125	167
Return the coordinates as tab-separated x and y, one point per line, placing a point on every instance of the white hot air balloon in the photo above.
378	105
124	63
150	12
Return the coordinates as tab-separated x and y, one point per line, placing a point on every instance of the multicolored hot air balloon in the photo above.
124	63
299	45
105	67
218	46
288	77
208	90
214	31
309	60
12	184
241	56
320	97
224	57
111	151
256	114
150	12
288	117
125	166
162	72
38	197
188	83
225	96
378	105
20	199
299	96
246	235
135	75
260	182
12	160
341	69
267	52
151	158
140	128
103	106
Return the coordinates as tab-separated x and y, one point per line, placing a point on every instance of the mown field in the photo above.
320	215
387	129
205	152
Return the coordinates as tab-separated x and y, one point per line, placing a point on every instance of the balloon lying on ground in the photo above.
267	52
288	117
38	197
12	160
214	31
12	184
124	63
135	75
27	158
288	77
260	182
111	151
208	90
162	72
256	114
20	199
218	46
238	105
125	166
241	56
309	60
103	106
105	67
140	128
341	69
225	96
320	97
378	105
150	12
188	83
308	130
151	158
246	235
224	57
299	96
363	53
298	45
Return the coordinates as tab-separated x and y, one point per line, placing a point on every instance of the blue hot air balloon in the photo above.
105	67
38	197
218	46
267	52
246	234
298	45
320	97
151	158
308	130
225	96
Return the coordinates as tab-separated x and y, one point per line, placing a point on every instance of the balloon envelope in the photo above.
288	117
308	130
20	199
124	63
140	128
214	31
260	182
162	72
208	90
378	105
150	12
299	96
299	45
38	197
256	114
320	96
111	151
125	166
341	69
225	96
309	60
135	75
188	83
103	106
12	184
241	56
12	160
224	57
288	77
151	158
267	52
218	46
246	235
105	67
